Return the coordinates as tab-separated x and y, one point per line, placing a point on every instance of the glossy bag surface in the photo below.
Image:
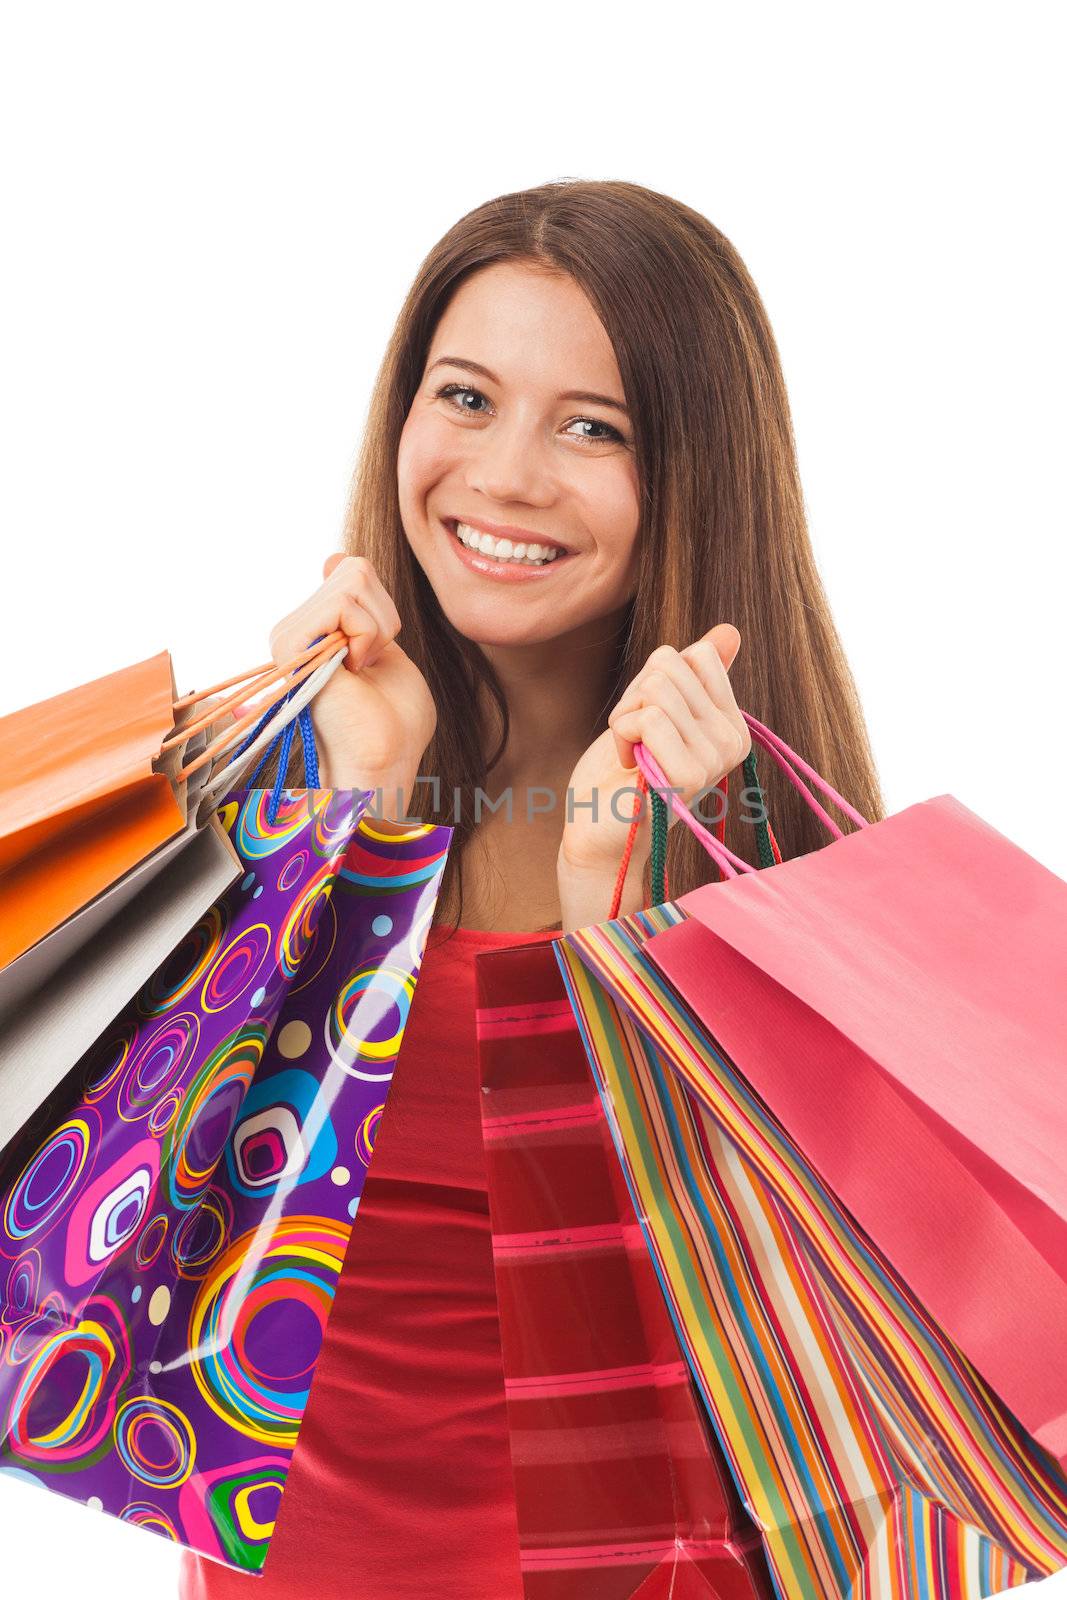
621	1488
174	1219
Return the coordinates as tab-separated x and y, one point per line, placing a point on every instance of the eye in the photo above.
609	434
451	390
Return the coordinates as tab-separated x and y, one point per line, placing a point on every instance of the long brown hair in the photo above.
722	535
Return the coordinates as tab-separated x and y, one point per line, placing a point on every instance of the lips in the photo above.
501	530
502	571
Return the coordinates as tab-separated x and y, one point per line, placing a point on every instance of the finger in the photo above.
727	640
706	661
657	687
651	726
673	682
364	634
705	656
359	607
326	611
357	577
352	581
665	664
714	742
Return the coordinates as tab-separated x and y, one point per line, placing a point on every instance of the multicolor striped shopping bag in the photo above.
874	1457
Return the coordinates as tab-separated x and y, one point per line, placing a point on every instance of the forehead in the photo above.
528	326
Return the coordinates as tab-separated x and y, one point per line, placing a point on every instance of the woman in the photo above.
585	371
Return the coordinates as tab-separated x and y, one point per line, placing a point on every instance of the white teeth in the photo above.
504	549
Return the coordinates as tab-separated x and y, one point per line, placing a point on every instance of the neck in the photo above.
558	697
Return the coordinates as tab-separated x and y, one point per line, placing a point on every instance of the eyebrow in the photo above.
571	394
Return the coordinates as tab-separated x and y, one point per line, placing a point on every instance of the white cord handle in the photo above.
231	774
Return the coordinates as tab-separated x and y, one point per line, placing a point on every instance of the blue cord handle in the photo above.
307	740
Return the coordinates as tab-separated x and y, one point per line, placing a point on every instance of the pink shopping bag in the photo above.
898	999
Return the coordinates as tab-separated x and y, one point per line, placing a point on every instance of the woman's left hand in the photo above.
681	707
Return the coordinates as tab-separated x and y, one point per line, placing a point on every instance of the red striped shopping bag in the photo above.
871	1452
621	1487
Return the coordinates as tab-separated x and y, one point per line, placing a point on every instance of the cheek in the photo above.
613	509
422	459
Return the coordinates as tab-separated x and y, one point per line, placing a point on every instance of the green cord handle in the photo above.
659	847
660	824
763	827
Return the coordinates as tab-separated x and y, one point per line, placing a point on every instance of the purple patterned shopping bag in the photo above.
174	1219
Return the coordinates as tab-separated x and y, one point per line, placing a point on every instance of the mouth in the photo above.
499	556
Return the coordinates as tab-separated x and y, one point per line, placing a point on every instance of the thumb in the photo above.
727	641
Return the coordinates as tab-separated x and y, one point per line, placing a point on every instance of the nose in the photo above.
507	464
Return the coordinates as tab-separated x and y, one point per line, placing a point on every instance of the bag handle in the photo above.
306	673
278	723
787	759
766	844
729	864
300	667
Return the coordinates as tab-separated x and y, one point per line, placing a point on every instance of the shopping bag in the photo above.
899	1000
61	992
621	1488
81	793
171	1233
869	1450
94	783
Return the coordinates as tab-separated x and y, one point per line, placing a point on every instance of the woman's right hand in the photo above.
375	717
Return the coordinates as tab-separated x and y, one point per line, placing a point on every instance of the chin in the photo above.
493	631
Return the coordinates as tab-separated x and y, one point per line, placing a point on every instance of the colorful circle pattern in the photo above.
235	968
50	1179
145	1515
256	837
158	1066
156	1441
185	967
197	1137
201	1234
357	1040
150	1241
366	1133
63	1408
298	931
104	1061
256	1379
22	1288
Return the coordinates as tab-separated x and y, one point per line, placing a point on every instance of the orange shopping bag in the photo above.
111	848
93	784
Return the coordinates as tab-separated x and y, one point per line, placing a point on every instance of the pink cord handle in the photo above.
785	757
729	864
782	753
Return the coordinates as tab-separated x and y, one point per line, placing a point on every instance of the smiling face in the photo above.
519	432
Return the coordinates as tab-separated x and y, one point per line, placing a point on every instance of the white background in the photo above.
211	214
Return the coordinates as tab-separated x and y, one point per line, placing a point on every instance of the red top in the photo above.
401	1485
